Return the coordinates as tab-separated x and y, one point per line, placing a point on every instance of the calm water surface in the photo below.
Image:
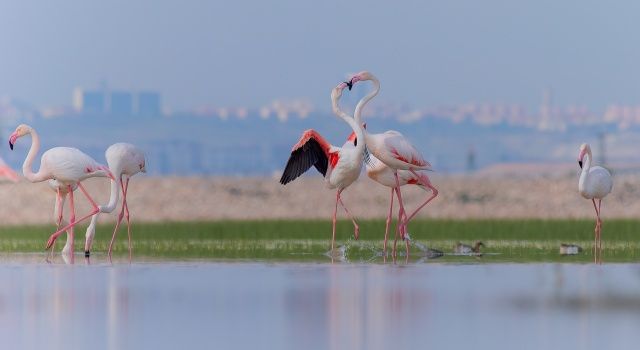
169	305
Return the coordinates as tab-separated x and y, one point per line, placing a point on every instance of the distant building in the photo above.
121	103
89	101
117	103
149	104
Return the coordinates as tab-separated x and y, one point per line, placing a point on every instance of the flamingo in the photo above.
69	166
394	151
124	161
595	183
340	166
382	174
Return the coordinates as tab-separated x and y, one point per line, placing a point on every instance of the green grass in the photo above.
296	240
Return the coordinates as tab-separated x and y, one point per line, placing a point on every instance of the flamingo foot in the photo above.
87	253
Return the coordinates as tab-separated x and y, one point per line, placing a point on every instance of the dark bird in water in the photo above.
569	249
461	248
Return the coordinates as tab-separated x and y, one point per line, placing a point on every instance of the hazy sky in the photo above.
241	52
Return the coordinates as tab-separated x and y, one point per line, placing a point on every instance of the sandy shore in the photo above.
213	198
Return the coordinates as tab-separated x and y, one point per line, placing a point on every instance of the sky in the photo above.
247	53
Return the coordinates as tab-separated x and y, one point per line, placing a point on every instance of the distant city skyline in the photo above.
249	53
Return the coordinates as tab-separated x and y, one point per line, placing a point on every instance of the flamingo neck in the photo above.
584	174
28	162
357	128
113	197
363	102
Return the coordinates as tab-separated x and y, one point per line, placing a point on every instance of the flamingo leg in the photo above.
356	228
424	180
72	217
386	229
402	224
335	212
401	203
118	221
597	231
600	228
401	215
57	216
126	214
73	221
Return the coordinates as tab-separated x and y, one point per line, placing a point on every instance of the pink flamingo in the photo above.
394	151
340	166
124	161
382	174
595	183
69	166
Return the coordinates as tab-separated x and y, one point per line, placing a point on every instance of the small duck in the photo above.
569	249
461	248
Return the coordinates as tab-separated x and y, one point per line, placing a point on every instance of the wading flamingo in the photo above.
595	183
69	166
124	161
395	151
382	174
340	166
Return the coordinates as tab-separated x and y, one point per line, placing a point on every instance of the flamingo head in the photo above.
336	93
21	130
362	76
584	149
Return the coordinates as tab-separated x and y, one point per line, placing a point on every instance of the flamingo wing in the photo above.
311	150
403	150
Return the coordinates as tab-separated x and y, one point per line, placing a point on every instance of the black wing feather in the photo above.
311	153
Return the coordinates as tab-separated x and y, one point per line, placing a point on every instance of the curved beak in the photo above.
349	84
580	164
12	140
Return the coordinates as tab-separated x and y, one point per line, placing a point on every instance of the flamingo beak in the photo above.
12	140
580	164
349	84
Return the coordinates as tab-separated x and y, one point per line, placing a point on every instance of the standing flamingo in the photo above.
340	166
124	161
382	174
395	151
69	166
595	183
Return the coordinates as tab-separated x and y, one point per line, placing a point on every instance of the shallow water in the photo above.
168	305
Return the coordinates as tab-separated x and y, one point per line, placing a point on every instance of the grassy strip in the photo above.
304	240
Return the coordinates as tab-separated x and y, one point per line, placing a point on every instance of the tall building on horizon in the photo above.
119	103
149	104
89	101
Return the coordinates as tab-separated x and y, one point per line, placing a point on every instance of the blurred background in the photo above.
226	88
